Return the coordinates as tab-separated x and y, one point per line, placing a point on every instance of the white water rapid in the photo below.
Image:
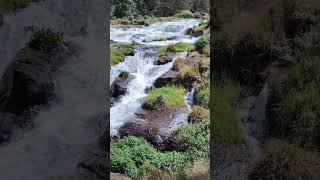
141	66
65	129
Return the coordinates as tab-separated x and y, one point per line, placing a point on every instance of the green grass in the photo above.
282	160
172	48
224	94
118	53
165	97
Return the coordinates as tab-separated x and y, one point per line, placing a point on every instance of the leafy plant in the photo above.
202	43
45	40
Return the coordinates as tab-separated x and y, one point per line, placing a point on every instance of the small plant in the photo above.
45	40
198	114
202	43
124	74
171	48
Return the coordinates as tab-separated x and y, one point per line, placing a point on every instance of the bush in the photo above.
202	43
45	40
178	64
299	113
202	94
132	156
188	74
185	14
194	139
285	161
198	114
124	74
165	97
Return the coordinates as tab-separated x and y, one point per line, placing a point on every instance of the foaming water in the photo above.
142	67
64	130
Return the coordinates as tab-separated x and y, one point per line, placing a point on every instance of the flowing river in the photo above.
141	66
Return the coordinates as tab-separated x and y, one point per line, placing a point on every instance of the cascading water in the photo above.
141	66
64	130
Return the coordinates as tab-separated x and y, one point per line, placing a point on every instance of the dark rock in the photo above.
1	19
170	77
156	127
119	87
7	123
188	31
28	81
148	89
197	33
164	60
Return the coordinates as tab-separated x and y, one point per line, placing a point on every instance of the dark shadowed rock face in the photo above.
119	87
7	122
164	60
1	19
156	127
28	81
197	33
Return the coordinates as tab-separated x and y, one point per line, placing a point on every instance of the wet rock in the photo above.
28	81
156	127
197	33
148	89
163	60
170	77
116	176
188	31
119	87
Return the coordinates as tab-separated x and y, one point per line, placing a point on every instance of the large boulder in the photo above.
28	81
155	126
164	60
119	87
171	77
197	32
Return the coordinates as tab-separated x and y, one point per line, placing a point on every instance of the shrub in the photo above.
124	74
194	139
201	43
198	114
45	40
285	161
188	74
133	156
299	113
178	64
202	94
185	14
165	97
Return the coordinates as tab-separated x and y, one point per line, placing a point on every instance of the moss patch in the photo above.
172	48
165	97
119	51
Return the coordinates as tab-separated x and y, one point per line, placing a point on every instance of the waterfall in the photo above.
141	66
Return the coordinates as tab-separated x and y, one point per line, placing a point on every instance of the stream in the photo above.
142	67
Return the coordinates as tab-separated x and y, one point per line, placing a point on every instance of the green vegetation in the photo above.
202	94
285	161
124	74
198	114
158	8
165	97
7	6
225	129
45	40
185	14
202	43
173	48
131	155
119	51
